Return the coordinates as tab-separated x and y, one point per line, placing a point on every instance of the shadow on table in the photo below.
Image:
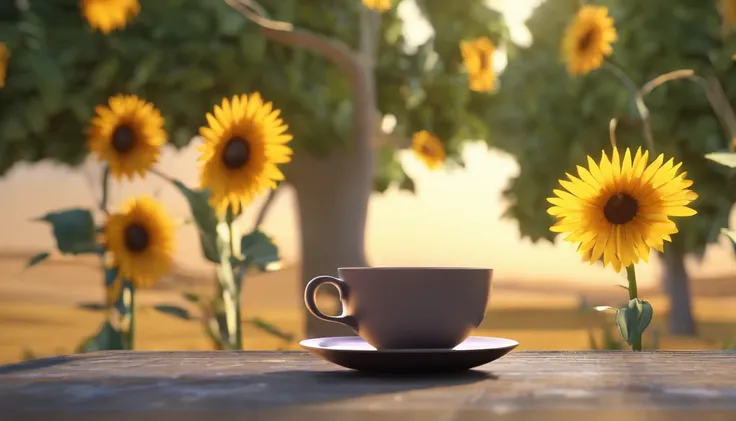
284	389
280	390
35	364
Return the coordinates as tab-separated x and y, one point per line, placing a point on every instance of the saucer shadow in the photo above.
303	388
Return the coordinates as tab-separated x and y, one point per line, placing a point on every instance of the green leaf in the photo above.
175	311
724	158
40	257
204	217
191	297
28	355
633	319
107	338
731	236
270	329
74	230
104	72
389	170
92	306
407	184
144	69
110	275
258	250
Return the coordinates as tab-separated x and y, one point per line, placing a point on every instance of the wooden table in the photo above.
294	386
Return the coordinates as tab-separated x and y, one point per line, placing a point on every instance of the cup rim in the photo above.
425	268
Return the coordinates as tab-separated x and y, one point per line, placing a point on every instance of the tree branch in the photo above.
641	107
335	51
713	91
265	207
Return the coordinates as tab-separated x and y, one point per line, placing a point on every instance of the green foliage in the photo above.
40	257
204	218
270	329
107	338
390	171
173	310
609	342
550	121
185	56
634	319
613	342
258	250
74	230
28	355
731	236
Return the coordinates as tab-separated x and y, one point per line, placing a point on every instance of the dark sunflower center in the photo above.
136	238
123	138
586	40
236	153
427	151
485	61
620	209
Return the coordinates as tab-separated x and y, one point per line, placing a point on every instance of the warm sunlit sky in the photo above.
454	219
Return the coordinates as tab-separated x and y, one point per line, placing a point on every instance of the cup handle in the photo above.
310	298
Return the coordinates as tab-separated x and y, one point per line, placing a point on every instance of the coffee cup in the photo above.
407	307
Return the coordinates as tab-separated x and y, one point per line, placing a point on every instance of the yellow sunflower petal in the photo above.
128	134
4	58
587	39
244	143
109	15
141	241
620	208
380	6
428	149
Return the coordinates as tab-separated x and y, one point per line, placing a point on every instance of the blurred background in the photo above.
485	207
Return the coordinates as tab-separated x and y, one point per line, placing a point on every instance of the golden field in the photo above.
39	310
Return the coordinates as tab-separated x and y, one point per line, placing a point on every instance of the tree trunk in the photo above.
677	285
332	194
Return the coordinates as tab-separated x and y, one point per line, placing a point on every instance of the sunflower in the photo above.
619	209
478	58
128	134
728	12
4	57
244	143
378	5
588	39
141	241
109	15
429	149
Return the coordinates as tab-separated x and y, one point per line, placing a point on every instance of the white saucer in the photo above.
355	353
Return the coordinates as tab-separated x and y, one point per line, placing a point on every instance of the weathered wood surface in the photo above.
294	386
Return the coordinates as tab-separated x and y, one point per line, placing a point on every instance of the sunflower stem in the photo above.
633	294
235	287
105	189
130	331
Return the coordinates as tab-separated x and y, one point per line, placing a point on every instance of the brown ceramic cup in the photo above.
407	308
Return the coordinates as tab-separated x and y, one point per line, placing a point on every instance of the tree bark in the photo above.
332	195
333	191
677	285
